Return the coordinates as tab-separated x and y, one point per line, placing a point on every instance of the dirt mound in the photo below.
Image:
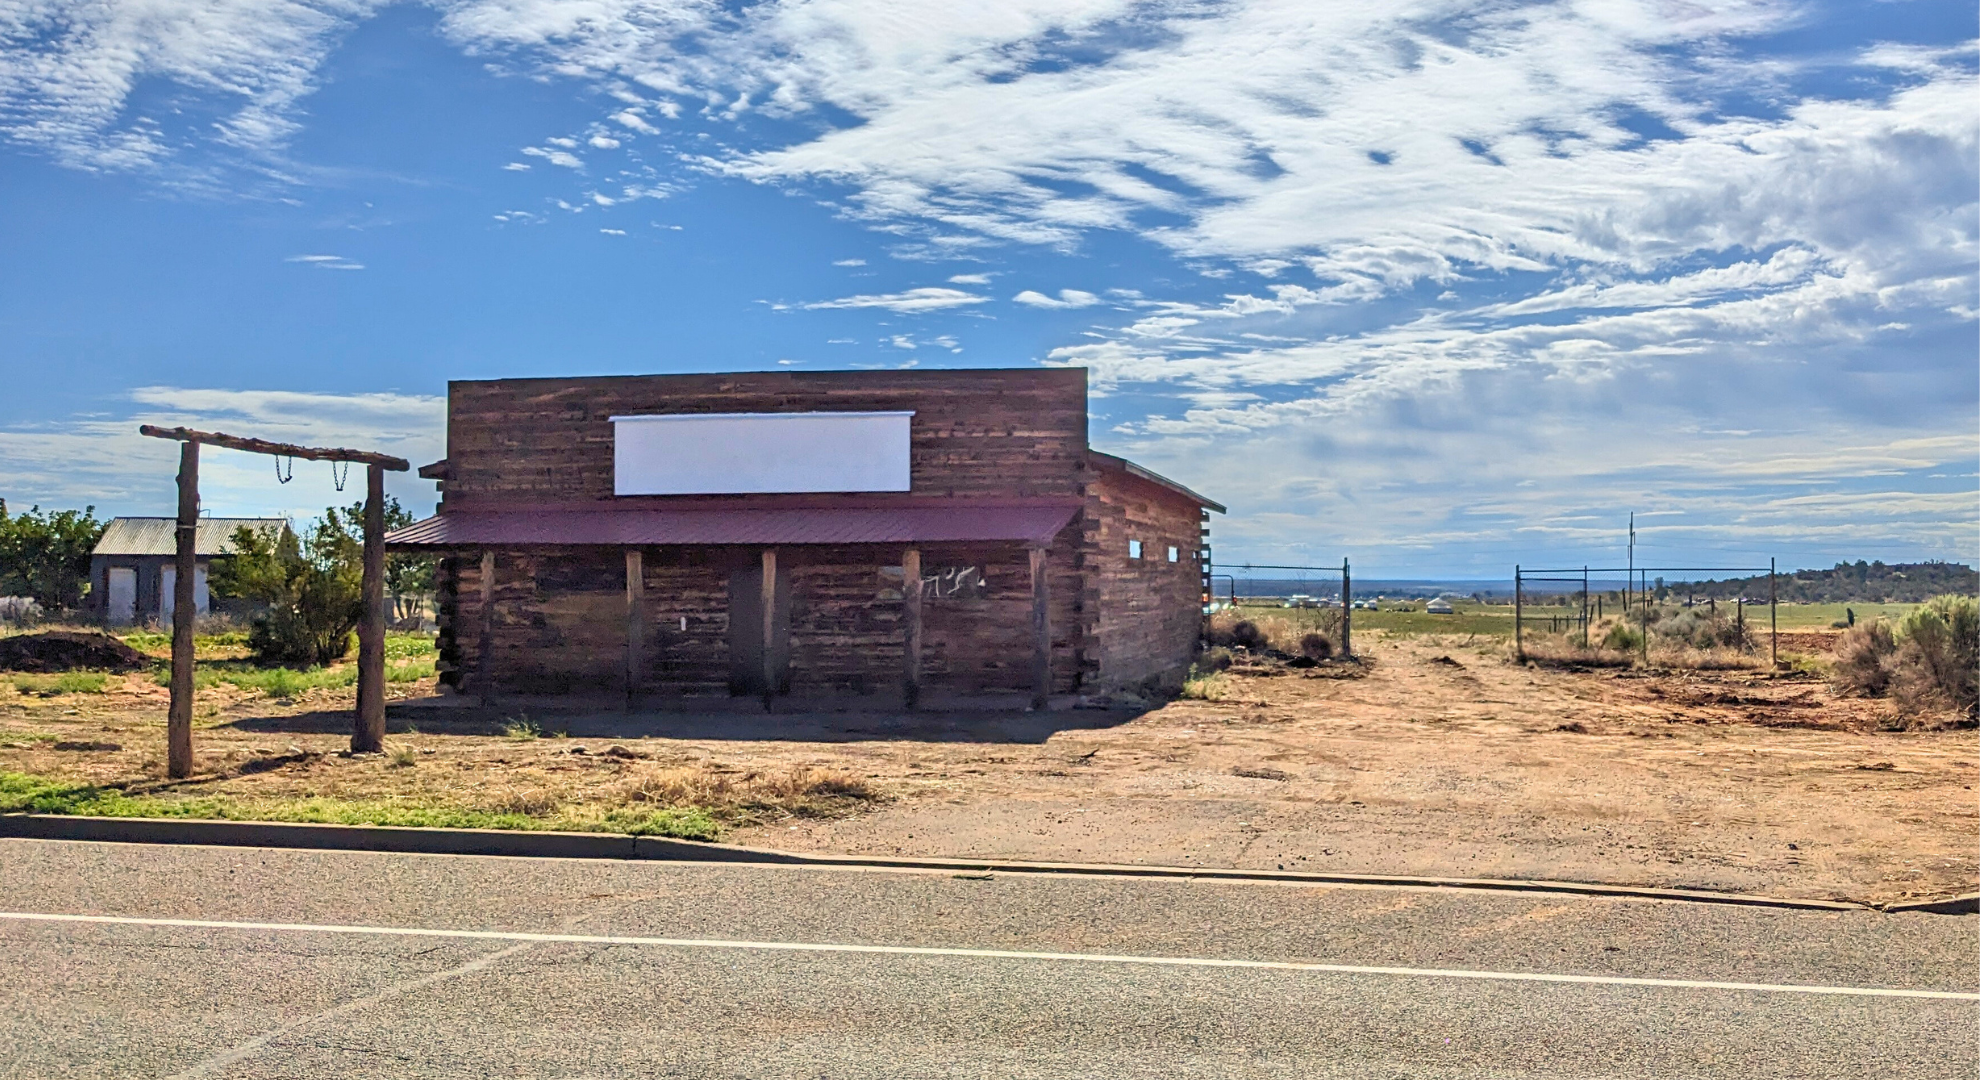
68	650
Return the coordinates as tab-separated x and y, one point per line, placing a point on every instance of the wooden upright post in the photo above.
1041	631
369	736
911	627
178	723
769	626
635	624
484	669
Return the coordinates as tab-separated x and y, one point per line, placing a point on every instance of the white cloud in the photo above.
849	262
969	279
1067	298
633	120
555	157
910	302
603	142
613	232
326	262
515	166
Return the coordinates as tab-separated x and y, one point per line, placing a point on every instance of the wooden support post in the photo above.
635	625
1041	631
369	735
484	668
769	627
911	627
1347	611
178	725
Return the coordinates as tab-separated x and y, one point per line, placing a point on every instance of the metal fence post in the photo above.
1519	607
1347	611
1773	617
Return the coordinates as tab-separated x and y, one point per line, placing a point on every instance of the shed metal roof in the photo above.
156	536
922	521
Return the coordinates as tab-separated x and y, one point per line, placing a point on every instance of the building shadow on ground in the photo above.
962	726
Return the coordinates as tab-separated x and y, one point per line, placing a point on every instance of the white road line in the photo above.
990	954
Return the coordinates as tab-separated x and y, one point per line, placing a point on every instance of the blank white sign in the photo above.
759	453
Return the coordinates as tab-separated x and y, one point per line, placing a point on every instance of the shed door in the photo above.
123	594
746	631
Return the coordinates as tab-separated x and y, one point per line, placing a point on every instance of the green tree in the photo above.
312	586
46	556
408	578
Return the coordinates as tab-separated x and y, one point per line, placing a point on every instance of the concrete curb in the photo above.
1963	904
564	845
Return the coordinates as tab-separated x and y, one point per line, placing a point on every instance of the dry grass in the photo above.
736	796
1258	630
1566	650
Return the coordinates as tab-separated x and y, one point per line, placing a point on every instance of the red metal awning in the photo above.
921	521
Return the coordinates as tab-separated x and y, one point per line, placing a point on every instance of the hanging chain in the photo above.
279	477
338	477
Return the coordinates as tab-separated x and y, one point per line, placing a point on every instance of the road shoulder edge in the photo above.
567	845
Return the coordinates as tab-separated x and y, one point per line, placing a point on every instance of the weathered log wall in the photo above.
986	432
1149	610
559	622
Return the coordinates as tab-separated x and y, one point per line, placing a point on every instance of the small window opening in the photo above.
1174	555
1134	549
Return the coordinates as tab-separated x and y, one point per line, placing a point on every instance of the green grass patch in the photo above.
23	793
1822	616
405	646
274	681
68	682
411	671
1469	617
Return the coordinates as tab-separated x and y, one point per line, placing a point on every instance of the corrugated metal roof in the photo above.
156	535
924	521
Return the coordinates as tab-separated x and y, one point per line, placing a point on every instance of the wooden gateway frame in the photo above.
368	735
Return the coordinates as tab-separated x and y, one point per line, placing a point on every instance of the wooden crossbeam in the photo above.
263	446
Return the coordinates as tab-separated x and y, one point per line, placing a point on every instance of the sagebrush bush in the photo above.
1315	646
1938	648
1864	659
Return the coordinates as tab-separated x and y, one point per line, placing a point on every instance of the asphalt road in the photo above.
331	964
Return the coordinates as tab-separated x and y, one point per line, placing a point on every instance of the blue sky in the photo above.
1437	286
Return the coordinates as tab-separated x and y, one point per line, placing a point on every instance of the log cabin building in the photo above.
903	537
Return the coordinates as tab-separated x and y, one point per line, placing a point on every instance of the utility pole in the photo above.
1630	579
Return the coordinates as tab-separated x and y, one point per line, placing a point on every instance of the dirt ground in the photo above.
1442	759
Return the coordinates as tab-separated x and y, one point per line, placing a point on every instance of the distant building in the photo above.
747	534
133	568
1439	606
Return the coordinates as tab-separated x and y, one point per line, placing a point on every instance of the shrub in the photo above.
1315	646
313	589
1863	659
1938	648
1214	686
1246	635
1623	638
